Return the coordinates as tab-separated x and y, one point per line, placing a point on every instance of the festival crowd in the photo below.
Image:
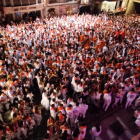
73	60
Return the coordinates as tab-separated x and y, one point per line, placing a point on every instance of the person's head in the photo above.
84	102
61	105
83	124
77	103
53	99
132	89
76	133
70	106
14	115
97	127
65	134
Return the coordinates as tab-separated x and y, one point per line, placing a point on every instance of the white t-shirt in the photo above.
94	131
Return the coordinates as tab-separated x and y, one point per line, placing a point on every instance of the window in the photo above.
7	2
39	1
17	2
32	1
25	2
116	5
53	1
68	0
120	4
1	3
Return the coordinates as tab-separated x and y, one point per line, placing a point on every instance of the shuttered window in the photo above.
7	2
25	2
32	1
17	2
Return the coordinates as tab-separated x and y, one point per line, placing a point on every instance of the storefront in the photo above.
17	13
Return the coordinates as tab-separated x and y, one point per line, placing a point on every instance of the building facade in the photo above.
24	9
18	9
61	7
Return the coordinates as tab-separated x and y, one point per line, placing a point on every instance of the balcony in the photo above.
59	1
8	3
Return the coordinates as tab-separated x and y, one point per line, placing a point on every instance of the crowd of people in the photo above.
73	60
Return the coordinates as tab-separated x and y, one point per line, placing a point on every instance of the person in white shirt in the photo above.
30	96
45	101
53	101
53	111
82	130
95	131
107	101
21	129
73	82
85	93
10	94
4	100
64	92
37	66
70	115
117	98
84	108
130	97
41	87
30	122
122	93
76	111
105	49
80	88
69	101
37	115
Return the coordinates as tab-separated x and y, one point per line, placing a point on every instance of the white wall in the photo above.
108	5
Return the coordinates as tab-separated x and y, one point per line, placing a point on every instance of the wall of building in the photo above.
60	8
130	7
24	9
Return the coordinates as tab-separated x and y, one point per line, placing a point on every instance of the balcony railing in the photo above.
59	1
7	3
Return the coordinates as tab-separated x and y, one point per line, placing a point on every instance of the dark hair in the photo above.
76	133
132	89
70	105
97	127
53	99
84	102
77	104
61	105
52	105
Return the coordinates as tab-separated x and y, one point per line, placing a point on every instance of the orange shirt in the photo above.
105	91
94	39
117	33
101	44
123	34
81	38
